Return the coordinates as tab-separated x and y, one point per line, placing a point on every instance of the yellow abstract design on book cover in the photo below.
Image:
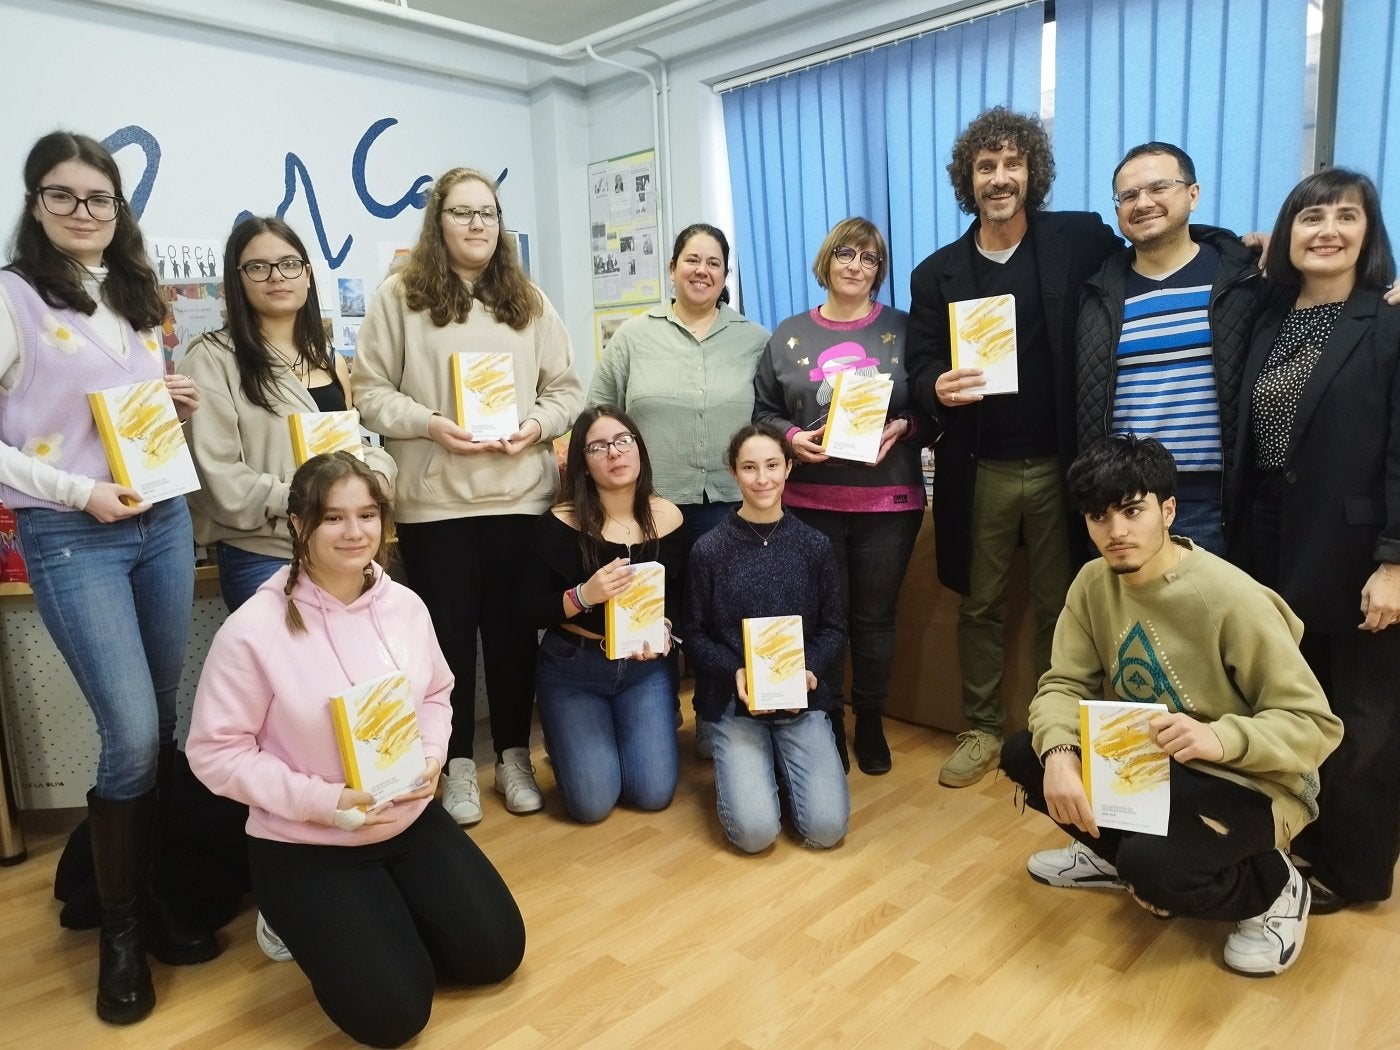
984	336
316	433
484	387
143	439
144	418
1127	776
1138	763
775	663
387	721
637	616
376	727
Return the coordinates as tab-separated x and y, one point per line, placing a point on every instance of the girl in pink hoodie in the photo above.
374	906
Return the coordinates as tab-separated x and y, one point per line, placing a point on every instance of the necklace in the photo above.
760	535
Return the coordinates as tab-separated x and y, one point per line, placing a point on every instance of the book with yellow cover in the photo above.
315	433
775	663
144	442
855	419
984	336
1126	776
484	387
376	727
637	615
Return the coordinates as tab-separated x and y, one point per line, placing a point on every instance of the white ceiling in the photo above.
548	21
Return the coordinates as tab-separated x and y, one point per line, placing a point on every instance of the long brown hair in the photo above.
306	500
130	288
430	284
579	492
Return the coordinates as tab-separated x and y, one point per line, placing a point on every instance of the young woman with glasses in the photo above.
270	360
871	513
112	574
465	506
609	724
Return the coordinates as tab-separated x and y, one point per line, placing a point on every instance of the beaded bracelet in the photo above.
1059	748
576	596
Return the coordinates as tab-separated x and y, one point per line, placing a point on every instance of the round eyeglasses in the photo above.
260	271
624	443
846	254
103	207
463	216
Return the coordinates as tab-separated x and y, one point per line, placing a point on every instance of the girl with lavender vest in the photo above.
112	575
870	512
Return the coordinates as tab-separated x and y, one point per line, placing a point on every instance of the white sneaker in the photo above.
1270	943
270	943
460	795
1073	865
515	779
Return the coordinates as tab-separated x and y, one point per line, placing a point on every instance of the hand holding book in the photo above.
1184	738
1066	802
741	684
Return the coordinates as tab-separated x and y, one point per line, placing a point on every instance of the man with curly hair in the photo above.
1000	466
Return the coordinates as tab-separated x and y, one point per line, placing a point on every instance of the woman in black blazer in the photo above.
1316	507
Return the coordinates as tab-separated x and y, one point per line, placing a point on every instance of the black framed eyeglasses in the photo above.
463	216
103	207
624	443
1156	190
846	254
258	270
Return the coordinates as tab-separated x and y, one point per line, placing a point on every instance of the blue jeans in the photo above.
117	600
243	572
610	726
872	553
752	754
1201	521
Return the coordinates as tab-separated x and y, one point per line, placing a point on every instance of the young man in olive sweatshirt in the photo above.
1163	621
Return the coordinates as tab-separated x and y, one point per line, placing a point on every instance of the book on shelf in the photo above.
143	439
637	616
1127	776
855	420
376	726
775	663
984	336
483	385
316	433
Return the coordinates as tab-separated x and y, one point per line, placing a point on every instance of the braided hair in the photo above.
306	507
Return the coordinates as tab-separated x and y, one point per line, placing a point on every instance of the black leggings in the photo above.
1193	870
375	927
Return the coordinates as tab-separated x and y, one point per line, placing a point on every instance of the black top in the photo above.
328	398
557	564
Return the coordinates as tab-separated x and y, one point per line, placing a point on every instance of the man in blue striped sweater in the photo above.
1163	331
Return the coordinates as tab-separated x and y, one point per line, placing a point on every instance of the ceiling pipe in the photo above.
575	49
663	172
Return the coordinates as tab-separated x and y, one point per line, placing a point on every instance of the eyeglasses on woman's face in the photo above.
103	207
845	255
624	443
489	216
260	270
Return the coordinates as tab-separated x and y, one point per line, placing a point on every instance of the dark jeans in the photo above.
872	553
1194	870
1355	841
242	572
467	572
375	927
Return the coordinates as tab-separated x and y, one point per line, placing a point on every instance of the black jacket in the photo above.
1341	505
1236	297
1069	247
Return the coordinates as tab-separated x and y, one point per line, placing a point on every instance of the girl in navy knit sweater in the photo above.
762	562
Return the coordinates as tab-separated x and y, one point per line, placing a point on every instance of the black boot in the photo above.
120	833
838	729
169	938
872	752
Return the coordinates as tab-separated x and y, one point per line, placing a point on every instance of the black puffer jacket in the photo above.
1235	301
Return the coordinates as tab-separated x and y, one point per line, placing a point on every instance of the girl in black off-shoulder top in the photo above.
609	724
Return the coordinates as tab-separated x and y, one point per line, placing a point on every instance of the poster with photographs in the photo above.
622	218
190	272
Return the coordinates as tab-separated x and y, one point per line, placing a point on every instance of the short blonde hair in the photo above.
856	233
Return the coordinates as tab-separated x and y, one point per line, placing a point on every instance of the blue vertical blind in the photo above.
1368	100
1222	79
867	135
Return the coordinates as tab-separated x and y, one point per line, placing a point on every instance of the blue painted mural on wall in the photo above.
294	171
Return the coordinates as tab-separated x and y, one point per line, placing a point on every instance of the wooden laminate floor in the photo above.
921	930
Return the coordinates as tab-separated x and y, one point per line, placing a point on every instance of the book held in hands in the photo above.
143	439
984	336
376	726
775	663
1126	775
855	421
316	433
483	385
637	616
